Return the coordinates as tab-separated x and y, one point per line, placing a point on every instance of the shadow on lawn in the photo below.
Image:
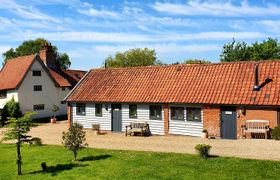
58	168
94	158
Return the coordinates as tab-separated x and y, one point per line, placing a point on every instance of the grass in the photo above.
114	164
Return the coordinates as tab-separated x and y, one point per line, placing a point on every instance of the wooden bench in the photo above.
255	126
138	127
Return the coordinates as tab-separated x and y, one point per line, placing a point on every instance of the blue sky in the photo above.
90	31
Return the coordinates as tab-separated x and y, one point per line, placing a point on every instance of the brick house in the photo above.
179	99
37	83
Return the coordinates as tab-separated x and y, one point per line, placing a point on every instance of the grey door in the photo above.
116	117
228	123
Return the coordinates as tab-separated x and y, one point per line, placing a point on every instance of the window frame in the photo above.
130	111
193	114
3	94
176	117
79	107
98	106
35	107
150	112
37	89
36	71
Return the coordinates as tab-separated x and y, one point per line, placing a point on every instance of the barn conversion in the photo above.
179	99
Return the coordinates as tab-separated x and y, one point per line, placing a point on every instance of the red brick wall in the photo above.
69	114
211	120
166	118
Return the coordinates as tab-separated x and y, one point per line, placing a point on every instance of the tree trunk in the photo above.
18	157
75	153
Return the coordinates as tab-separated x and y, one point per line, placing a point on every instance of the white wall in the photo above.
49	95
10	94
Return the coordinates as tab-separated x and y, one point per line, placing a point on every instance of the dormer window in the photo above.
36	73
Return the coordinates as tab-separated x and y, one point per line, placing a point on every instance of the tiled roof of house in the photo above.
222	83
75	74
14	71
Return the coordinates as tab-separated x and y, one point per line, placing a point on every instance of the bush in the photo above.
203	150
10	110
95	127
276	133
37	141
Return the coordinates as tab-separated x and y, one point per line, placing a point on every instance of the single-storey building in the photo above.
179	99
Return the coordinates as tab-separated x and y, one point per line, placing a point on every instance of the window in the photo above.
194	114
177	113
98	109
81	108
38	107
37	88
3	94
36	73
132	111
155	111
62	102
63	88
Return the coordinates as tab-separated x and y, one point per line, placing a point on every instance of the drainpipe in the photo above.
256	72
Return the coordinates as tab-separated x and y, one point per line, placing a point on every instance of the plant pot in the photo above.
204	135
53	120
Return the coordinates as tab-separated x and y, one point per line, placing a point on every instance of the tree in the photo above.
132	58
240	51
196	61
34	46
10	110
74	138
18	129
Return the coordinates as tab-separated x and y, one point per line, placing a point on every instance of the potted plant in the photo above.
96	129
55	108
204	134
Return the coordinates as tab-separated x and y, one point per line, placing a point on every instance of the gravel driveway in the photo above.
245	148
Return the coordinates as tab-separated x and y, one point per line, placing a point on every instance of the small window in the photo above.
3	94
98	109
63	88
177	113
81	108
36	73
62	102
194	114
132	111
155	112
37	88
38	107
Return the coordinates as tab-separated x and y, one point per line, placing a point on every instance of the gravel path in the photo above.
244	148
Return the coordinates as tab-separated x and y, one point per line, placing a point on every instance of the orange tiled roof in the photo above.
223	83
75	74
14	71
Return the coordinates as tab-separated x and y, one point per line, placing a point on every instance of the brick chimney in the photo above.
47	55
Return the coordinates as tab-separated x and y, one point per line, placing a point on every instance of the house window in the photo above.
38	107
177	113
62	102
98	109
155	111
81	108
63	88
194	114
37	87
36	73
132	111
3	94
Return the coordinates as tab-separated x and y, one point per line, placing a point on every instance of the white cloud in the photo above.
4	48
270	25
216	8
100	13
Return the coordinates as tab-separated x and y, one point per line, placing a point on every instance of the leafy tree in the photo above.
196	61
74	138
18	129
10	110
132	58
34	46
240	51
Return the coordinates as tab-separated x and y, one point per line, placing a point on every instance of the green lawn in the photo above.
113	164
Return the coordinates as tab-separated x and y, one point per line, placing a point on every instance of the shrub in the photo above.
203	150
276	133
95	127
10	110
37	141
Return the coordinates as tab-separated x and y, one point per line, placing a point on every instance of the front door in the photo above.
228	123
116	117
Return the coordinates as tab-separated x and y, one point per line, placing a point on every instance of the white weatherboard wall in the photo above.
143	114
189	128
49	95
89	118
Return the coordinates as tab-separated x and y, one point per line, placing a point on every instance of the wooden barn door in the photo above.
228	123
